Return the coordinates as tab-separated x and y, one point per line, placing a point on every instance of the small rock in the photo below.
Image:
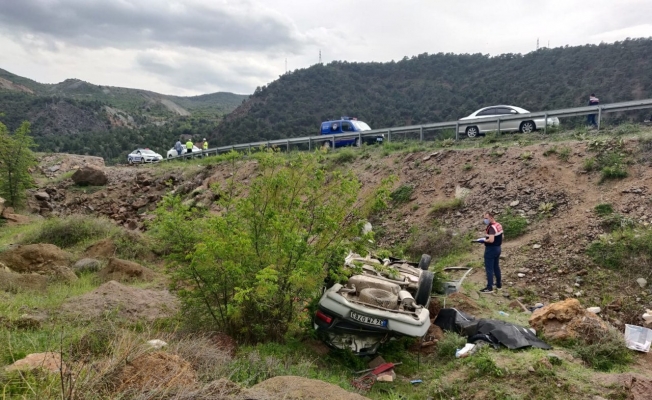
156	343
577	284
42	196
514	203
578	293
594	310
521	275
54	168
568	290
367	228
530	368
642	282
87	265
536	246
538	305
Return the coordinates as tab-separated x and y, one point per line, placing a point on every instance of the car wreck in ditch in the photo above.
383	299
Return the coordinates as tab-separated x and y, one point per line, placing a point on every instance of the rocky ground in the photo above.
547	264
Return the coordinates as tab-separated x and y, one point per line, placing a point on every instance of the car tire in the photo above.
424	288
379	297
424	263
131	162
472	132
527	127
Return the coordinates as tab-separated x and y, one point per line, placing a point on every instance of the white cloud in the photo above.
199	46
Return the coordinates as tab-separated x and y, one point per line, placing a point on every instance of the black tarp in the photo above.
489	330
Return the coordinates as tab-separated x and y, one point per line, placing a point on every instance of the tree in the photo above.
16	158
251	270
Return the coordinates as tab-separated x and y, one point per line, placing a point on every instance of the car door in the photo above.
487	126
512	125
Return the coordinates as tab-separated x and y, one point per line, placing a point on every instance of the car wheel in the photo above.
424	288
472	131
527	127
424	263
131	162
142	160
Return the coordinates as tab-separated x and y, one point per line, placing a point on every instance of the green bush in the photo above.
514	224
589	164
602	351
250	270
402	194
447	347
604	209
564	153
482	364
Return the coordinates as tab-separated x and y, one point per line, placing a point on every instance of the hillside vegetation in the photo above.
78	117
440	87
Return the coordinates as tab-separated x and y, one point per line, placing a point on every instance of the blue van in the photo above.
348	125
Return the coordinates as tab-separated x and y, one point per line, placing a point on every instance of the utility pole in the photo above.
320	56
286	65
537	43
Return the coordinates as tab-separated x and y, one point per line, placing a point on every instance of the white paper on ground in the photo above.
638	338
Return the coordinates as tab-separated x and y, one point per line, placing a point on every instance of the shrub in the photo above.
546	207
627	129
482	364
552	150
438	242
589	164
564	153
526	156
514	225
250	270
604	209
446	205
402	194
468	167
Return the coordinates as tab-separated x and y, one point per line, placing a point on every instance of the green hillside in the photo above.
440	87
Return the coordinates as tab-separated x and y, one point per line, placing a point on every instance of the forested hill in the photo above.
440	87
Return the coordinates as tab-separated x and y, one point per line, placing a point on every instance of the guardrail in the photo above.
311	140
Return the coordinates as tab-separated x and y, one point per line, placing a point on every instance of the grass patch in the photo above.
627	249
344	156
514	224
604	209
446	205
603	352
402	194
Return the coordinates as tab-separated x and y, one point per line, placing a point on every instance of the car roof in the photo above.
519	109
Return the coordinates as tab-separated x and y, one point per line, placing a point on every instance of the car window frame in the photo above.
489	112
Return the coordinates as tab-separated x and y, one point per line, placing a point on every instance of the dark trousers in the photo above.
491	266
591	119
188	151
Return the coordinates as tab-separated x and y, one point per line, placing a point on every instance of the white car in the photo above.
516	125
173	152
141	156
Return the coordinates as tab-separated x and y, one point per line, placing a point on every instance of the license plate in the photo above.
379	139
368	320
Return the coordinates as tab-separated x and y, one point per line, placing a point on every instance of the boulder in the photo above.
154	371
105	248
566	320
12	281
10	215
42	196
124	271
87	265
41	258
49	362
90	176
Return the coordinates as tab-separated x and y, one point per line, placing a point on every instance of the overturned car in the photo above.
383	299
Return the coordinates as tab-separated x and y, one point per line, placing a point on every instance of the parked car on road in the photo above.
517	125
348	125
173	153
383	299
141	156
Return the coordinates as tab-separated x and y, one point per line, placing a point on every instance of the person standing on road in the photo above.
492	243
204	145
593	101
189	146
178	147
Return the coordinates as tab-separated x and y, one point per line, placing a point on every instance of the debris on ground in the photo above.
299	388
154	371
638	338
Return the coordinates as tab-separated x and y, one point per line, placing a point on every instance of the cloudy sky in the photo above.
188	47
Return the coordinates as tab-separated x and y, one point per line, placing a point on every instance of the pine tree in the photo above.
16	158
